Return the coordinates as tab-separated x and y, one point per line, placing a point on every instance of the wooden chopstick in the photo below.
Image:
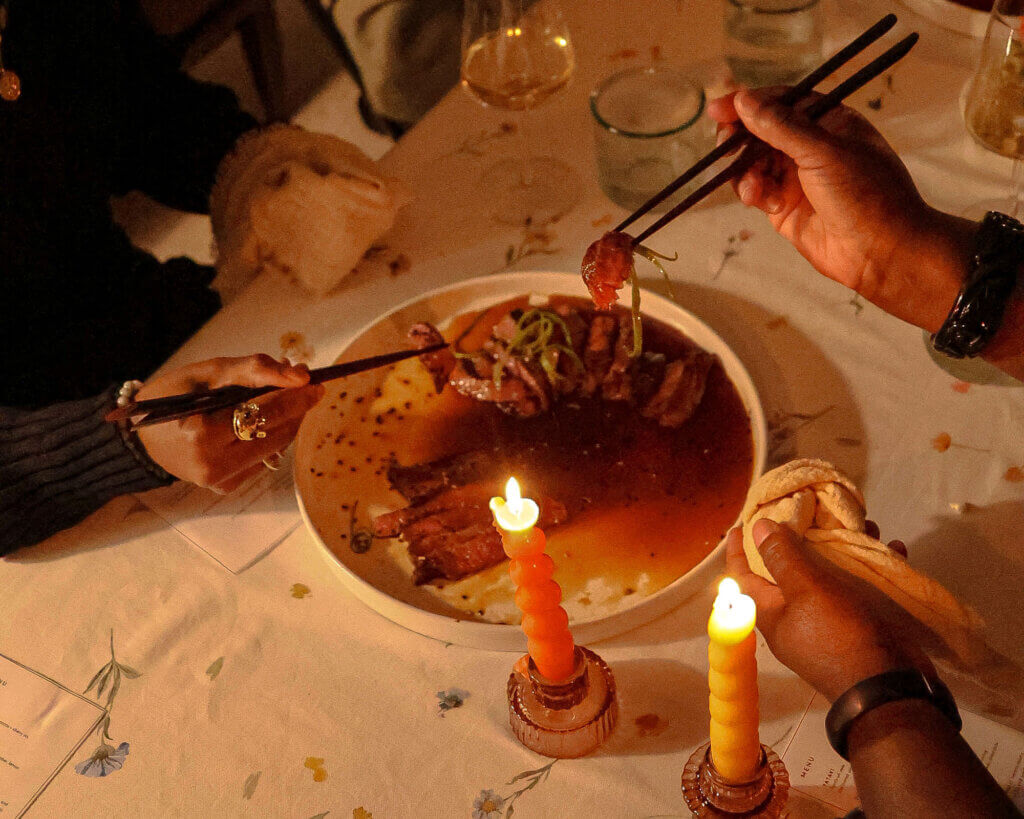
755	148
791	96
176	407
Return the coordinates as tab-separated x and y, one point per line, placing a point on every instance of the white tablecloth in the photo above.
242	682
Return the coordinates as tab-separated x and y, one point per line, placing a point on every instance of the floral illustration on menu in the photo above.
489	804
107	758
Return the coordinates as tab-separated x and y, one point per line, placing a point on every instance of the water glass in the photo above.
772	42
648	129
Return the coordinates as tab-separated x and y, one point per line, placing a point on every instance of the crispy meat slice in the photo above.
681	389
690	391
439	363
647	376
419	482
597	356
618	382
511	396
459	555
607	265
456	538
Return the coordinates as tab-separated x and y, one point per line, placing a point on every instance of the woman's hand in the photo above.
837	191
203	449
812	622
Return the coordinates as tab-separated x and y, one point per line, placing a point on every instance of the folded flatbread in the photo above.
305	204
826	509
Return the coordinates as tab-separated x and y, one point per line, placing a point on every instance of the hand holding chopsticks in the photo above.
176	407
752	148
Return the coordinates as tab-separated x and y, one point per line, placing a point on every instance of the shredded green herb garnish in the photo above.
532	340
654	258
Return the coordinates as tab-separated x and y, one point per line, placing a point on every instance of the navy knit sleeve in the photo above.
62	462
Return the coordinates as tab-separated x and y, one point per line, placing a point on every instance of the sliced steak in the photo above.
681	389
597	357
439	363
422	481
618	382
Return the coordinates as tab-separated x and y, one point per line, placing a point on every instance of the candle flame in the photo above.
728	590
513	498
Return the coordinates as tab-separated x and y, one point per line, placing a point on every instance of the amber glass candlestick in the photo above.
734	774
561	697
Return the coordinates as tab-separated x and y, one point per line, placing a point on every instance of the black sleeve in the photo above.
60	463
173	130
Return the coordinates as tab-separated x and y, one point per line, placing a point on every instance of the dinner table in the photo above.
270	689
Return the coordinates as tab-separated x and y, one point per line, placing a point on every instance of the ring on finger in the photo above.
247	422
273	461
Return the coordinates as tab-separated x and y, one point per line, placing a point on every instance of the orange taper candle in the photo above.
545	623
732	678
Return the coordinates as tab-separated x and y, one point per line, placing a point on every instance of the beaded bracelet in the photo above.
124	396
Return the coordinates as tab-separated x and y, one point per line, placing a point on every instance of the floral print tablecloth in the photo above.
275	693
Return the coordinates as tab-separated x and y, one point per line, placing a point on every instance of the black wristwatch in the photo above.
902	684
978	310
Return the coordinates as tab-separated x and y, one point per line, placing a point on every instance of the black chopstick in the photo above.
792	95
175	407
756	148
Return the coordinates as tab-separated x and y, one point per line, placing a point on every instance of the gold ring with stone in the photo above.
273	461
247	422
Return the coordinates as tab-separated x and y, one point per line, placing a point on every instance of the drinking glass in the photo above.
772	42
648	129
515	55
994	112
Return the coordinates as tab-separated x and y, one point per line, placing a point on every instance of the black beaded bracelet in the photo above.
902	684
978	310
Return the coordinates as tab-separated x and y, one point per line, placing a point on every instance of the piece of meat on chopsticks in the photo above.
452	535
607	264
439	363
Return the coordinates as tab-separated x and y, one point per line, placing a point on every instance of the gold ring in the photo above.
247	422
273	461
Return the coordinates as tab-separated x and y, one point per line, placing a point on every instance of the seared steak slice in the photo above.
647	376
422	481
681	390
461	554
618	383
597	356
439	363
511	396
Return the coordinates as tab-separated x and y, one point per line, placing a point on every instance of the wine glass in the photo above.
994	112
994	115
515	55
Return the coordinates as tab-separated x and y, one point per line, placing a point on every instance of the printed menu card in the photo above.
42	724
818	771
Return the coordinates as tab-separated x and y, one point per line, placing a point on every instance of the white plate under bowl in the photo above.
951	16
475	294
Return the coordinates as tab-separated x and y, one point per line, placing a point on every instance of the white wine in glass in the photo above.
994	113
516	55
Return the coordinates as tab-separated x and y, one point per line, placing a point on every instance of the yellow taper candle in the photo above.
735	744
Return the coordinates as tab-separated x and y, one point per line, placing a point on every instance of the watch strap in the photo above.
979	307
890	686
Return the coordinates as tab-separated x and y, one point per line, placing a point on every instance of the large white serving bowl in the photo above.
437	307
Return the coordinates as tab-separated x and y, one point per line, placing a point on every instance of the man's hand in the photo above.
813	622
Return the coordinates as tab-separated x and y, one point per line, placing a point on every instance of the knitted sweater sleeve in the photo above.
62	462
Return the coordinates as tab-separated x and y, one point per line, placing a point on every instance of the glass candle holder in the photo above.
563	719
648	129
772	42
707	794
